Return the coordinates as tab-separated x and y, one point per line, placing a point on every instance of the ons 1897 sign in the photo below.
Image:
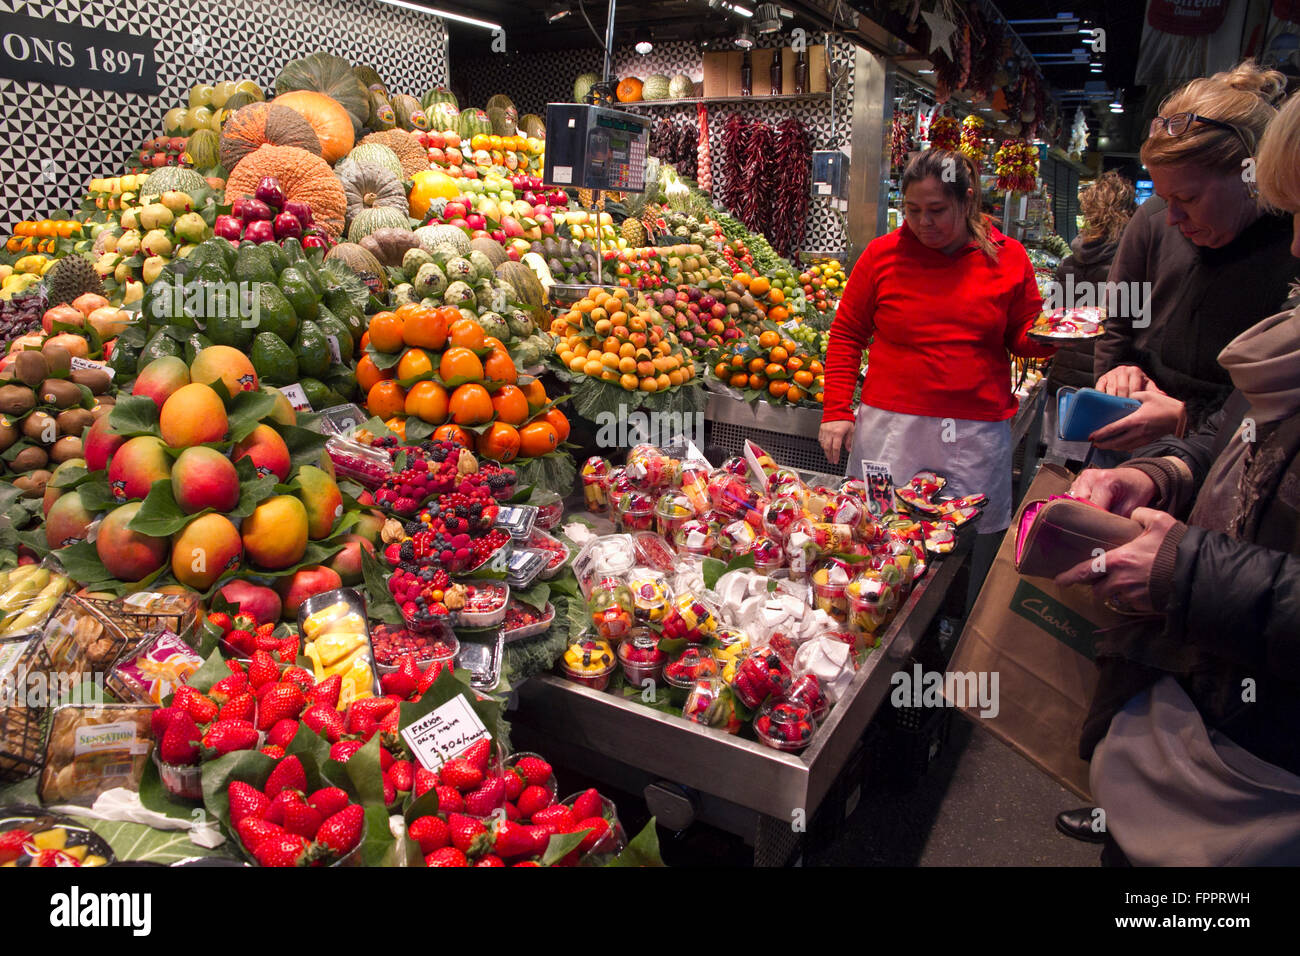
42	50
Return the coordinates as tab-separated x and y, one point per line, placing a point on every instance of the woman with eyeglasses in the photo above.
1204	259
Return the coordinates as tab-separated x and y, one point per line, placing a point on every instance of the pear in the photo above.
183	252
128	243
134	293
152	268
190	227
129	220
156	242
156	216
122	272
177	201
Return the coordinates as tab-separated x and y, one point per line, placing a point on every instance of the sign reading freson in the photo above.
42	50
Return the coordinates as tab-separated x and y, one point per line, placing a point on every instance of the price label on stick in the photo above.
80	363
296	396
446	733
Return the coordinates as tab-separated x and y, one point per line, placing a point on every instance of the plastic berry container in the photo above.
671	510
595	484
641	657
691	618
780	516
634	511
185	782
732	644
522	629
368	467
550	509
680	675
390	644
589	661
785	725
557	552
783	481
697	537
485	604
612	843
551	783
653	552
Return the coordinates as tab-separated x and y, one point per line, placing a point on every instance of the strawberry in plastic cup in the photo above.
680	675
768	555
634	511
694	484
785	725
641	658
672	509
807	690
762	674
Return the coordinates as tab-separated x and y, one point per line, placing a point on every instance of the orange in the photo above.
778	389
511	405
466	333
815	367
759	285
537	438
778	355
757	381
559	421
471	405
426	329
721	371
455	434
460	365
386	399
768	339
778	313
794	363
386	332
368	374
803	378
498	367
794	394
739	380
757	365
428	402
499	443
776	296
414	364
775	371
535	392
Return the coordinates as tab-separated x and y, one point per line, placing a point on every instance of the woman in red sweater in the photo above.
941	301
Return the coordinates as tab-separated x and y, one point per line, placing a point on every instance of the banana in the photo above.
18	593
36	612
17	574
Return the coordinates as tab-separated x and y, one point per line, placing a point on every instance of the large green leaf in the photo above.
134	841
305	446
96	494
134	415
380	603
246	411
642	849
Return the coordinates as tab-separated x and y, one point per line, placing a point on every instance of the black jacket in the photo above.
1089	262
1235	610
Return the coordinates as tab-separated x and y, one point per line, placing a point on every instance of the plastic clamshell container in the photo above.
504	552
355	603
557	552
184	782
342	420
441	632
532	630
525	565
602	557
368	467
550	509
482	660
518	520
491	618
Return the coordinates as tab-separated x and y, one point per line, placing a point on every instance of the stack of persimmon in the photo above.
451	375
773	364
610	336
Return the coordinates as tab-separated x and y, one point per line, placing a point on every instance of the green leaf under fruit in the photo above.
561	845
380	603
246	411
642	849
134	415
96	495
212	670
305	446
535	596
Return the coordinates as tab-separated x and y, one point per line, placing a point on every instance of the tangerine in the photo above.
428	402
465	333
794	394
759	285
499	443
778	355
537	438
458	366
769	339
471	405
778	389
511	405
454	433
398	427
386	399
386	332
803	378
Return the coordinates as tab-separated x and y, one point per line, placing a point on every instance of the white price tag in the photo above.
562	174
446	733
296	396
876	469
823	189
335	354
79	362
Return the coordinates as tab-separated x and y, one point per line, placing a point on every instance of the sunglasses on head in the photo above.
1180	123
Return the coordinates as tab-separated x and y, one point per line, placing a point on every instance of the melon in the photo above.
171	178
489	248
377	155
528	288
655	87
499	101
472	123
439	94
582	86
378	217
203	149
442	236
366	266
680	87
530	124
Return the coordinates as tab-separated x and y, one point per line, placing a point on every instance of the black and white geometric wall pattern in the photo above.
55	138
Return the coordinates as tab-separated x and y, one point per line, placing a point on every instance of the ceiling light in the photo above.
557	11
744	39
446	15
644	47
767	19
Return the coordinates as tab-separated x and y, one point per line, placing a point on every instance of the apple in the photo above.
476	221
286	225
435	140
300	210
228	227
260	230
459	223
256	209
437	157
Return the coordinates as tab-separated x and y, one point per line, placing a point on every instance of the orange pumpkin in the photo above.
629	90
332	123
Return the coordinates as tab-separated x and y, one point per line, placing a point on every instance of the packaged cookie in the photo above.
151	672
93	748
22	714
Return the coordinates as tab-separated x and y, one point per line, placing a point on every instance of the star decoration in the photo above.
941	31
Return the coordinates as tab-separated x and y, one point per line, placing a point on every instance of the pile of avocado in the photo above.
570	262
274	302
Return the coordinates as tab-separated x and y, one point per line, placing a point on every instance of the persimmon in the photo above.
471	405
465	333
368	373
428	402
386	399
386	332
414	364
426	329
537	438
454	433
511	405
559	421
499	443
535	392
458	366
499	367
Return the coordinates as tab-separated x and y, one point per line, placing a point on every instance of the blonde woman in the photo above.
1207	260
1192	731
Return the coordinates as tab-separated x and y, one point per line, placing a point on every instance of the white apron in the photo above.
974	456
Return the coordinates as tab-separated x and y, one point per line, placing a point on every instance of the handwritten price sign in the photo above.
446	733
42	50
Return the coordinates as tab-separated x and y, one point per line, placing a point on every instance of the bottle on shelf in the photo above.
746	76
801	72
776	71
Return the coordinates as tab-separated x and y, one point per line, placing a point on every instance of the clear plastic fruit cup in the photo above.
612	843
634	511
551	783
696	537
672	509
785	725
807	690
760	675
871	600
641	657
550	509
595	484
612	609
589	661
768	554
829	582
651	597
185	782
681	674
710	703
736	539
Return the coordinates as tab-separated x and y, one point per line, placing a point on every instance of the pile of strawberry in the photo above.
242	634
284	825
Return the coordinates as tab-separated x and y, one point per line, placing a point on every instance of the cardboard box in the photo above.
722	74
817	62
787	71
762	60
735	61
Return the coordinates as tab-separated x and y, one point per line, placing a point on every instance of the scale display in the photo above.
591	147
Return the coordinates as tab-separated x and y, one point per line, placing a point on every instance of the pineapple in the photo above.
634	232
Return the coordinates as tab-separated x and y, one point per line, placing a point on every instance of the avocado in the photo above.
273	360
318	393
312	350
300	293
274	313
252	264
161	344
331	325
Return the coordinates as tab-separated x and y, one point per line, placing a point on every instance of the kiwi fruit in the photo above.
60	393
73	421
31	458
58	358
32	484
97	380
99	411
40	427
30	367
8	435
16	400
69	446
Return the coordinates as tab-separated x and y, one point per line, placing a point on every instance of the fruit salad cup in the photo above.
735	465
696	537
595	488
734	496
612	609
807	690
783	481
829	582
768	555
672	510
694	484
690	618
620	483
634	511
651	600
641	657
785	725
781	515
589	661
650	468
711	703
762	674
730	645
681	674
872	598
550	509
736	539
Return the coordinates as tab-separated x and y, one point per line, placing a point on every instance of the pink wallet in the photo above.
1056	534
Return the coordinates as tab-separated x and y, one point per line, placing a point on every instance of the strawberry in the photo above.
245	622
402	774
599	827
327	691
397	683
12	843
477	755
265	642
159	720
287	850
390	791
408	669
449	799
180	744
262	670
239	707
194	703
253	830
425	780
541	838
390	724
281	702
264	630
429	676
234	666
53	857
461	774
431	832
533	799
386	759
227	735
510	840
299	676
325	720
364	715
512	812
490	860
288	773
588	804
467	834
344	749
287	650
273	750
555	817
302	818
515	784
485	799
328	800
283	732
242	641
342	831
275	809
220	619
229	687
447	856
528	863
246	801
535	770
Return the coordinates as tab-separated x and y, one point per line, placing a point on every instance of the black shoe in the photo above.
1078	824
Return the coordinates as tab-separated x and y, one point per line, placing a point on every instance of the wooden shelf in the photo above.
692	100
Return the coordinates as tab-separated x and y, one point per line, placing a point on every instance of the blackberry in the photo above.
462	511
412	527
408	551
438	454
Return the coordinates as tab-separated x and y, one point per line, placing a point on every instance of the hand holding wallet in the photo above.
1080	412
1056	534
